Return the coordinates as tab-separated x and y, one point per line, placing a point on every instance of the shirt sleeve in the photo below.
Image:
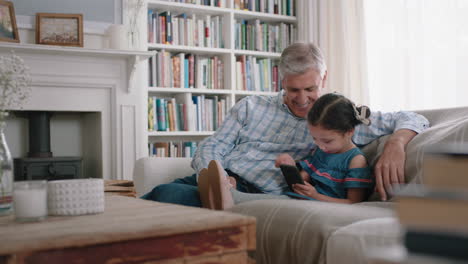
217	146
386	123
359	178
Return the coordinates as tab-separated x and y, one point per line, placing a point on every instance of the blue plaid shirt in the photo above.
259	128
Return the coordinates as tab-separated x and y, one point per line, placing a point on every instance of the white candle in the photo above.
117	35
30	200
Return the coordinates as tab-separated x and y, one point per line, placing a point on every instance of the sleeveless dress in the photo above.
331	173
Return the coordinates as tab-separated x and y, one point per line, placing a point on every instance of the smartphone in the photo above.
291	175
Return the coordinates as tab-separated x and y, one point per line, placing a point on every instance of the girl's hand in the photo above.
305	189
305	176
284	159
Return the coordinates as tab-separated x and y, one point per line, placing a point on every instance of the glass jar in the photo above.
6	171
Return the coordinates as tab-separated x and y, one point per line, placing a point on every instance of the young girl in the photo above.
337	167
336	170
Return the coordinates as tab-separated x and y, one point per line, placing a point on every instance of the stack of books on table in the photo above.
435	213
119	187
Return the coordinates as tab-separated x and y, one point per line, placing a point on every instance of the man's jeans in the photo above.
184	191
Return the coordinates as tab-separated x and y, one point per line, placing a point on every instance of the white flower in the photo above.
14	82
134	8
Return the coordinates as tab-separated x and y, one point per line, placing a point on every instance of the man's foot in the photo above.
214	187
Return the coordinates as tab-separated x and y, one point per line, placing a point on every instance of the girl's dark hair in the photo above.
335	112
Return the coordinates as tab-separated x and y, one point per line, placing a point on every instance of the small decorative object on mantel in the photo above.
117	36
59	29
75	197
8	28
14	90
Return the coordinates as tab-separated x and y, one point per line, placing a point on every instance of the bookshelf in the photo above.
237	57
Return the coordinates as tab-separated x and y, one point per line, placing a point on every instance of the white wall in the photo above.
92	10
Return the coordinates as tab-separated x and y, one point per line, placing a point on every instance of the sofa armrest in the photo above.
151	171
448	126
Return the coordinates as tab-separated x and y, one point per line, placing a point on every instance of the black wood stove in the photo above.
40	163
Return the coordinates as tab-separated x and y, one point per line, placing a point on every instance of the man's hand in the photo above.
390	168
284	159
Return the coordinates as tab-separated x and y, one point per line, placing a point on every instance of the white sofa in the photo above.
294	231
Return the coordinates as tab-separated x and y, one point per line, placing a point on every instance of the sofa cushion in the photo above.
296	231
152	171
357	240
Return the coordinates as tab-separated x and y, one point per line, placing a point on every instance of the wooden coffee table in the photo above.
131	231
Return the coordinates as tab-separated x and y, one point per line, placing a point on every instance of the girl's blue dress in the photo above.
331	173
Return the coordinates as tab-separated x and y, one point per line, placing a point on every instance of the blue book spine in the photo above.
166	112
169	28
248	74
161	114
186	73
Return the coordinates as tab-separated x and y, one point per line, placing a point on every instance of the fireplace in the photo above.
105	89
40	163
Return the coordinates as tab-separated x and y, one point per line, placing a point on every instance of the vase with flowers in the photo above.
14	90
134	9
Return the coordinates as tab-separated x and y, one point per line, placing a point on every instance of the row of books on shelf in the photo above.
172	149
185	71
435	212
262	36
196	30
280	7
256	74
217	3
201	113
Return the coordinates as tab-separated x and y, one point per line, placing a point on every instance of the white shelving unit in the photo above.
228	54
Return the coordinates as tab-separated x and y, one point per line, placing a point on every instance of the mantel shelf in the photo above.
60	50
133	57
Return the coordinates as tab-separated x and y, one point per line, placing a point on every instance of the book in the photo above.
182	18
150	26
186	73
191	67
168	26
154	70
176	71
440	244
162	149
208	31
119	187
170	110
446	170
150	114
161	114
423	207
181	77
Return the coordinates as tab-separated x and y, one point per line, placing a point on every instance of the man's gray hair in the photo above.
301	57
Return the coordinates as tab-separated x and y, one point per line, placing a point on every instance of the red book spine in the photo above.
191	59
275	78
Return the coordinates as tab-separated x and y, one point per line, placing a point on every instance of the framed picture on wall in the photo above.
8	29
59	29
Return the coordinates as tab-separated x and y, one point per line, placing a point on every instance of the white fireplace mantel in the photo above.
101	84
